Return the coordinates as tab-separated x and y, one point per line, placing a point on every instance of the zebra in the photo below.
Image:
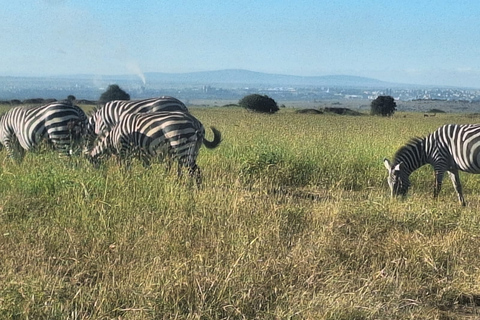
23	128
104	118
174	135
449	149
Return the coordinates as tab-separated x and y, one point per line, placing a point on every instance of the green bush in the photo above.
383	106
434	110
259	103
114	92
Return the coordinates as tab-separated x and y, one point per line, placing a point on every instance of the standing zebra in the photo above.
176	135
60	123
107	116
449	149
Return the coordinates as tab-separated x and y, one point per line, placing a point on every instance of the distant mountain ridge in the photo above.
229	84
228	78
247	78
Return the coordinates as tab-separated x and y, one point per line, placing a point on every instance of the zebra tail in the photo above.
217	138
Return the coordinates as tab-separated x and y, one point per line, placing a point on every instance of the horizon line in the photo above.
142	75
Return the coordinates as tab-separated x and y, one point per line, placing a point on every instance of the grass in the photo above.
293	222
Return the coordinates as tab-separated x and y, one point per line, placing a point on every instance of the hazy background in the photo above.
419	42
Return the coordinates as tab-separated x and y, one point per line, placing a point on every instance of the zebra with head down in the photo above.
451	148
104	118
175	135
60	123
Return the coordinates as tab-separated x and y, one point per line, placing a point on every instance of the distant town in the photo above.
222	88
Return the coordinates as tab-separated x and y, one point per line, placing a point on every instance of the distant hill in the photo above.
230	84
237	77
229	78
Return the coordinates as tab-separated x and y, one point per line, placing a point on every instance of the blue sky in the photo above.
420	42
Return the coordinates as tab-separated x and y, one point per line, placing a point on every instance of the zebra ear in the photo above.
387	164
398	167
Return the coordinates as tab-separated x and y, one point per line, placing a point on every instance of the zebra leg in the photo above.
76	135
438	183
168	160
124	154
193	171
146	159
9	147
125	162
13	147
15	150
196	173
165	156
457	185
21	153
179	169
61	144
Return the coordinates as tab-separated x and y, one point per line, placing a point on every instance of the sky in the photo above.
434	42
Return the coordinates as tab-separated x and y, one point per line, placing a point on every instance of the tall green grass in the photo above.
293	221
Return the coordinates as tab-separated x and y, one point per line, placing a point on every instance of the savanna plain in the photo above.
293	221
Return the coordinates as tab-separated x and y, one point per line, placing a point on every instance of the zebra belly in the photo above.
467	157
29	140
157	146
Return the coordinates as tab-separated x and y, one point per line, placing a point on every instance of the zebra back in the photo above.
450	148
107	116
61	123
177	135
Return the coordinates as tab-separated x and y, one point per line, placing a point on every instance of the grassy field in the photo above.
293	221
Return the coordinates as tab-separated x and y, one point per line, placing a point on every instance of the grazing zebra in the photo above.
60	123
104	118
449	149
176	135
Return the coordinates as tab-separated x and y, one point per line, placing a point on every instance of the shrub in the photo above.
383	106
259	103
436	111
309	111
113	92
341	111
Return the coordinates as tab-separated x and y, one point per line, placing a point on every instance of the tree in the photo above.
113	92
71	98
383	106
259	103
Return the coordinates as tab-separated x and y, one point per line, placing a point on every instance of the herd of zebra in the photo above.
164	128
158	127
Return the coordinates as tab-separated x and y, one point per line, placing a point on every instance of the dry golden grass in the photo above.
293	222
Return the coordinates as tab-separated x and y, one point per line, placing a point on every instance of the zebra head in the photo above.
398	178
2	129
95	125
100	126
91	125
101	148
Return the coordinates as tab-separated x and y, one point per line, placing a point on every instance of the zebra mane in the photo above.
102	135
93	110
5	112
412	144
94	141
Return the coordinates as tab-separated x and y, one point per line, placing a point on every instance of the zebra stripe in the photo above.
104	118
61	123
451	148
176	135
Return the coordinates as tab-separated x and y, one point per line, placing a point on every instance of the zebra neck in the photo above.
413	155
412	166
